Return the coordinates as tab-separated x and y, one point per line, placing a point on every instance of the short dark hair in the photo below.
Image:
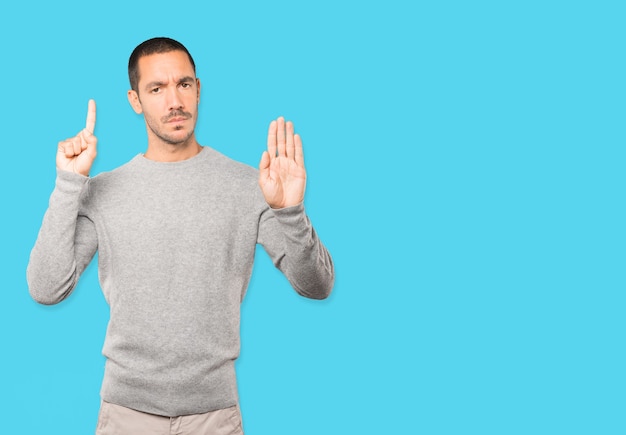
152	46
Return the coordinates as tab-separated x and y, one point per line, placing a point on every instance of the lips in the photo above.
176	116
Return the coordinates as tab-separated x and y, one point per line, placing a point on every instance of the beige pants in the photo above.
118	420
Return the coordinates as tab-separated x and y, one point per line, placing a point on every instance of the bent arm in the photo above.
295	249
65	245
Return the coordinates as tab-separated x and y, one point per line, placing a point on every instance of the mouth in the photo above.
176	117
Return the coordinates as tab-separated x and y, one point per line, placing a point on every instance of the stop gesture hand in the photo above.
282	176
77	154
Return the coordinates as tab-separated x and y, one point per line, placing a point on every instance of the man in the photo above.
176	230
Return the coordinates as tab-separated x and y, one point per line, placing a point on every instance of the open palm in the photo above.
282	175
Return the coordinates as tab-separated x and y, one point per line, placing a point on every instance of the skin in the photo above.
77	154
282	176
168	95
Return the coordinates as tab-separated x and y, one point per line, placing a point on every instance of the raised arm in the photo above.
285	231
67	241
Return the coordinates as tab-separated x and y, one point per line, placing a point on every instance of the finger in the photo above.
280	136
77	145
264	164
90	125
299	154
264	169
271	140
289	145
85	139
66	148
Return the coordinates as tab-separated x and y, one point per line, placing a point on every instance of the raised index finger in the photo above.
90	125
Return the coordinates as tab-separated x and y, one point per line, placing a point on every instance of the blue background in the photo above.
465	165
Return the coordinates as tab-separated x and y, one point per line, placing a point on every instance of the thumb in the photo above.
264	169
264	164
88	142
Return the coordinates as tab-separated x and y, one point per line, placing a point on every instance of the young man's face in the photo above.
167	94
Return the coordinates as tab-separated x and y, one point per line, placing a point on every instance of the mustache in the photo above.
176	114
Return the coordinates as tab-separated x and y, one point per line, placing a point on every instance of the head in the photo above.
164	87
153	46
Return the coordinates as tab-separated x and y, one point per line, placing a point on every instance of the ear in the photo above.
198	87
133	99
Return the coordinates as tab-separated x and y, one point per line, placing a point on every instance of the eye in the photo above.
155	90
185	85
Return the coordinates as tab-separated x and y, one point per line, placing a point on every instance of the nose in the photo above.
174	100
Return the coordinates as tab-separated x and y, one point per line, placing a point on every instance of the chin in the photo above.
176	136
178	139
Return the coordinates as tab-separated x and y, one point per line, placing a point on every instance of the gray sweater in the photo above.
176	244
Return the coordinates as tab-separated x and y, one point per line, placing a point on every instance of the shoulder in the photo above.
113	181
236	168
229	173
236	181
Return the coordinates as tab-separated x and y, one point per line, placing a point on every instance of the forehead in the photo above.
161	66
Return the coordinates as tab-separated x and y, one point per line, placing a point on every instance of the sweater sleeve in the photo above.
66	243
295	249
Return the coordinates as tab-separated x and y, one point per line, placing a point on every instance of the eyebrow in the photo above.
158	84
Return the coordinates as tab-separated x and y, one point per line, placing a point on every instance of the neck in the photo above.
160	151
